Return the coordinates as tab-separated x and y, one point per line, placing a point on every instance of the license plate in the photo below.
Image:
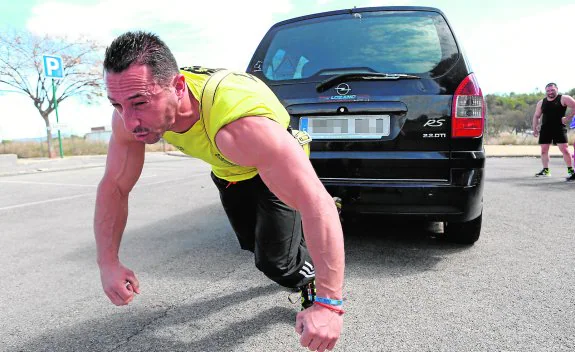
346	127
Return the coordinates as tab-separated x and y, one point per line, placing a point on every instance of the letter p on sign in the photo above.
53	67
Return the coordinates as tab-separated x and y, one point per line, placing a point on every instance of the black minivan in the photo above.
393	107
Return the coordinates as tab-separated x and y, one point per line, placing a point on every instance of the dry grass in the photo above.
521	139
70	147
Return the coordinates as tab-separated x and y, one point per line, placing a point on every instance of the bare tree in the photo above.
22	71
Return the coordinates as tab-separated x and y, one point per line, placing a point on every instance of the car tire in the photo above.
463	232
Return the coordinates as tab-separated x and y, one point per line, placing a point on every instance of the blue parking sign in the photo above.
53	67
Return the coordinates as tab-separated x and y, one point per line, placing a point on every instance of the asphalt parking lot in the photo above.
406	288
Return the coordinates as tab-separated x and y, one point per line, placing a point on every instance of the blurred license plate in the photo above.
346	127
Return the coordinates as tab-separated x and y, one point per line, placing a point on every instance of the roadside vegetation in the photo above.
70	147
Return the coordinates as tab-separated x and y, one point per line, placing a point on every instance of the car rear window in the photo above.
413	42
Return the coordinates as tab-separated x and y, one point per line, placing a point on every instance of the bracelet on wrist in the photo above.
332	308
331	302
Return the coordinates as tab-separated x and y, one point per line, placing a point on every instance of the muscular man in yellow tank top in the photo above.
265	179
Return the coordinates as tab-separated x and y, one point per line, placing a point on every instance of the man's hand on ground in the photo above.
119	283
319	328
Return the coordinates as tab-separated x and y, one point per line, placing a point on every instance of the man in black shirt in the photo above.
553	129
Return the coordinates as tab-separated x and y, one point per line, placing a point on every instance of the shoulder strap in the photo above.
209	93
207	100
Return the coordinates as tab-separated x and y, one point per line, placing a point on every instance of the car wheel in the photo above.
463	232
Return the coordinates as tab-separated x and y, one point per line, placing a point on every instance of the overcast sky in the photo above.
513	46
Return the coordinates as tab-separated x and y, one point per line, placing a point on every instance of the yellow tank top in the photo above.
237	95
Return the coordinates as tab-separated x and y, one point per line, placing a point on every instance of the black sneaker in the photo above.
544	173
571	178
307	292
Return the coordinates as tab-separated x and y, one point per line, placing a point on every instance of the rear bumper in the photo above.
457	199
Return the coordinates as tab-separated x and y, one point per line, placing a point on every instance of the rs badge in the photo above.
434	123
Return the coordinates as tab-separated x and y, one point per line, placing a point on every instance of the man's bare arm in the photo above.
286	170
569	102
123	168
536	117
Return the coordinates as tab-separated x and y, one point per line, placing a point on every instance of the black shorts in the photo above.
553	135
269	228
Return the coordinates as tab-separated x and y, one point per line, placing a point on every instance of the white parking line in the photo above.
45	201
49	183
61	184
87	194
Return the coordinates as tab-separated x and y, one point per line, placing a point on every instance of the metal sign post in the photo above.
54	69
56	109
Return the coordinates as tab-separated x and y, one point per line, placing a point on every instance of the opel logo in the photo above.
343	89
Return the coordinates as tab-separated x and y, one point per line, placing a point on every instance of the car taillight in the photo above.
468	113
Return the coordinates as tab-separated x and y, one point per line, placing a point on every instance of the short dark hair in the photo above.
141	48
551	84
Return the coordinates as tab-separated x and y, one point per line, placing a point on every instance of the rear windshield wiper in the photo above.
332	81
